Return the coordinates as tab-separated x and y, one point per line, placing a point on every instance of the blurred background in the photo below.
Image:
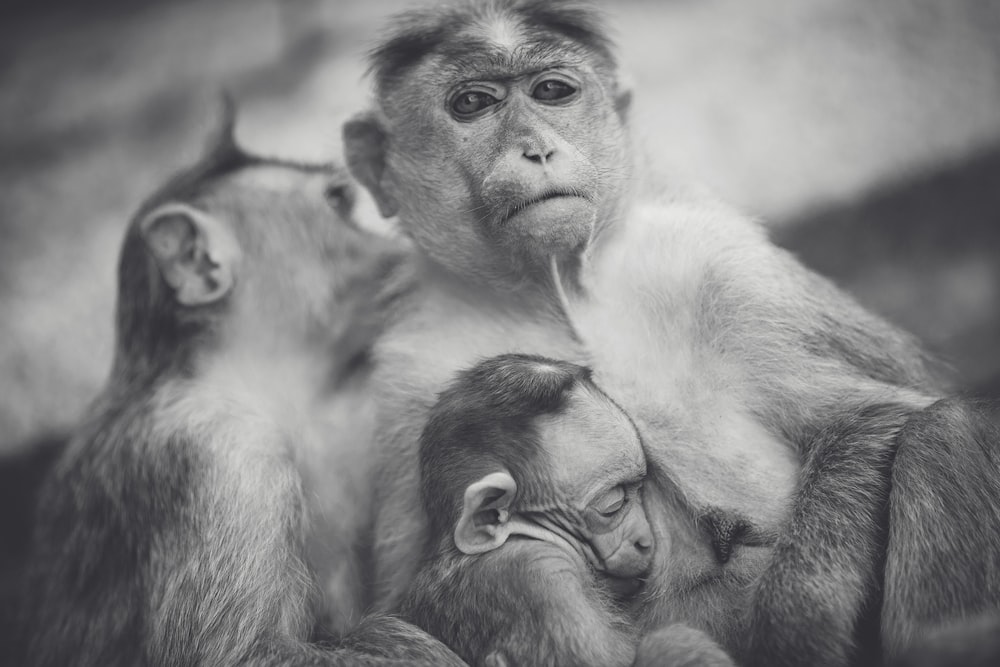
865	132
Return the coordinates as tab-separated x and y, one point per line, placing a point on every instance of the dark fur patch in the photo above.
943	561
825	571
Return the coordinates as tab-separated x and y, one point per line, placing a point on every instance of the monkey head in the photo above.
523	447
498	134
239	247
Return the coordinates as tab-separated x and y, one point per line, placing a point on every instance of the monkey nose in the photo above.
725	531
539	156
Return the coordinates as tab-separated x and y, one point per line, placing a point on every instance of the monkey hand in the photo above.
395	639
495	659
680	646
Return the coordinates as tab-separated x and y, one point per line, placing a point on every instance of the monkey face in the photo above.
582	492
499	153
600	468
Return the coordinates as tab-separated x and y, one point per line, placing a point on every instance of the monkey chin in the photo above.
557	226
623	588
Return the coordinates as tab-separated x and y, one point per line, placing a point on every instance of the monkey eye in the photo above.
339	194
471	103
612	502
551	90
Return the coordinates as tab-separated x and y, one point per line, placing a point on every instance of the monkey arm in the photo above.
680	646
564	620
974	641
809	603
183	545
943	559
525	603
925	488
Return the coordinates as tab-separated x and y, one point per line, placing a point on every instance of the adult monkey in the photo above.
775	410
182	525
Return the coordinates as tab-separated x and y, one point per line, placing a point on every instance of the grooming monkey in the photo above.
796	442
181	524
532	479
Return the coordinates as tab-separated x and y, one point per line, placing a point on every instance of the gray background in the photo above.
865	132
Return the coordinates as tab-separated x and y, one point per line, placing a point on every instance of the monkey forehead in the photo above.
497	40
472	58
592	444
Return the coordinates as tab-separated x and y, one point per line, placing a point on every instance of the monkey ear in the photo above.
484	524
623	97
364	151
195	252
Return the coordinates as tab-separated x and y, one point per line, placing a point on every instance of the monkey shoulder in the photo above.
537	560
701	280
456	597
676	250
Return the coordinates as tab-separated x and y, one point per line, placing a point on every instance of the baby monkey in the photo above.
532	481
181	525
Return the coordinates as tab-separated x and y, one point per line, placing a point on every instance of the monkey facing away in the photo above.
538	538
801	453
178	526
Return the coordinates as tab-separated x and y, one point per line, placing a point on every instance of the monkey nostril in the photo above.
540	157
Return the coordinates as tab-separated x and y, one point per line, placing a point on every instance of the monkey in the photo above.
532	476
778	414
509	498
178	526
973	643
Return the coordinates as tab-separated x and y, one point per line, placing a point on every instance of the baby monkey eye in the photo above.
552	89
470	103
611	503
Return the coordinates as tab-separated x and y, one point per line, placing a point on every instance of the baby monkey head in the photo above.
238	247
524	447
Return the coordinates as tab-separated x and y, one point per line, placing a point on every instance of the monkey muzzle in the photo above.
624	587
627	567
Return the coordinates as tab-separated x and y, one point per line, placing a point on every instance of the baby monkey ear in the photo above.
485	521
194	251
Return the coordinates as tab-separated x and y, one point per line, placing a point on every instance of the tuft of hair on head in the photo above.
484	422
223	139
221	156
417	33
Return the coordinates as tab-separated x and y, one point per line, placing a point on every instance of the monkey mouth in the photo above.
545	196
624	587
